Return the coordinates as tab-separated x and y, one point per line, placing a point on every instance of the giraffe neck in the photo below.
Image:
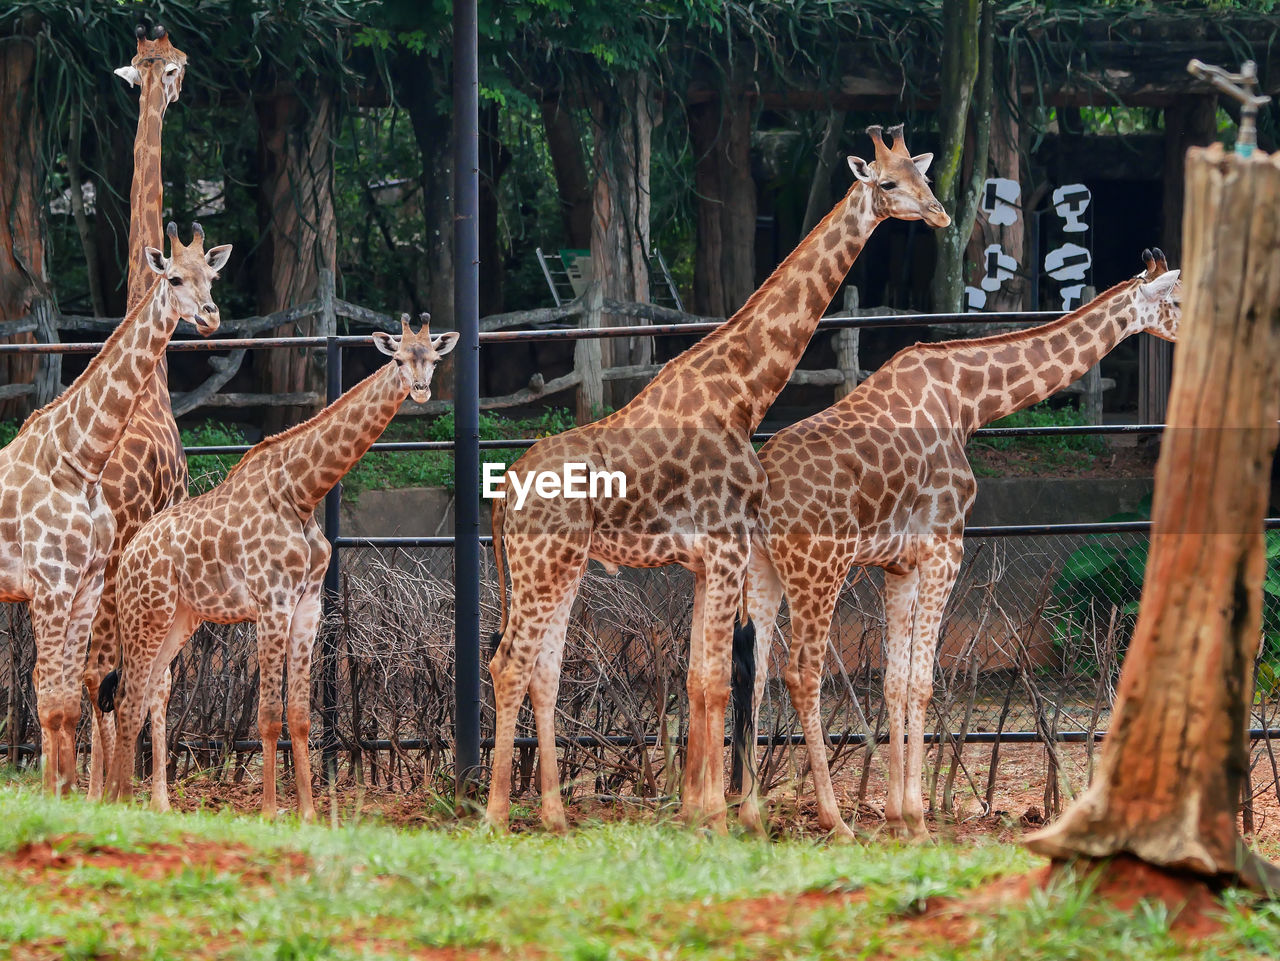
147	192
92	415
314	455
997	376
743	365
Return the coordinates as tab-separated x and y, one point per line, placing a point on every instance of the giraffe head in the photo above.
1157	298
415	355
157	61
897	182
187	276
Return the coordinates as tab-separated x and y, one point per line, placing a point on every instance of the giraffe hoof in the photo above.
491	826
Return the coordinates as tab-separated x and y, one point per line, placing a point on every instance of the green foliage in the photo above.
206	471
1106	573
8	430
385	470
1038	453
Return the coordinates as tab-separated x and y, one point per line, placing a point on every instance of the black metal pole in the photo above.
466	459
328	639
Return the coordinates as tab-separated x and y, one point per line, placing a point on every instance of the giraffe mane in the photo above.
116	334
1008	336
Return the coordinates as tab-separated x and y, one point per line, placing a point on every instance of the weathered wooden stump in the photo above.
1177	754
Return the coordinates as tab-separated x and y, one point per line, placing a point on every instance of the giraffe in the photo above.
55	526
251	549
881	479
692	488
148	470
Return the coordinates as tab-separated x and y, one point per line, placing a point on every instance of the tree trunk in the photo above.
295	215
1192	122
1176	756
22	254
1006	161
573	185
620	245
967	48
724	261
819	201
420	79
112	182
494	160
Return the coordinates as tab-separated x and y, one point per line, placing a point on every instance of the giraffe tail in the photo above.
107	691
742	686
499	515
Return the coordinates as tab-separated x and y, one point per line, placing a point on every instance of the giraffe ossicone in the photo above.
881	479
694	487
250	549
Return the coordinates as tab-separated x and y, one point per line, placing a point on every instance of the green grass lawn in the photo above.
283	891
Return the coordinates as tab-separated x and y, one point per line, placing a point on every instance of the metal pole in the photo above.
466	304
332	574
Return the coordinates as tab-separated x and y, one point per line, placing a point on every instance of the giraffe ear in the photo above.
861	169
1159	288
385	342
217	257
922	161
445	343
129	74
156	260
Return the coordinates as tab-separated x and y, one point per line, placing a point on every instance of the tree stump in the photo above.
1176	757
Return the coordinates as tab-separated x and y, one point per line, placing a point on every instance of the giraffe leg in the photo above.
692	803
158	707
764	598
103	653
302	639
533	629
544	685
61	622
811	613
937	577
899	612
273	639
709	674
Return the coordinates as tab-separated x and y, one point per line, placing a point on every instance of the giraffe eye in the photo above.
888	185
175	281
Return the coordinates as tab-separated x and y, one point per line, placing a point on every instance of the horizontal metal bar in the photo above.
569	334
524	443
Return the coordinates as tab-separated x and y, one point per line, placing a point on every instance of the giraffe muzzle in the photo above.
208	320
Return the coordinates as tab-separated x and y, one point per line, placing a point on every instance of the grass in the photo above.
618	890
1035	455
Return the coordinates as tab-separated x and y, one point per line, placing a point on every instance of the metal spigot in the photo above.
1241	86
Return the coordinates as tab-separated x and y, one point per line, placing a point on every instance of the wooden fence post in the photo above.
1176	756
587	358
845	343
48	380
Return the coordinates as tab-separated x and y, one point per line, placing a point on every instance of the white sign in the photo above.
1072	297
1068	262
997	267
975	298
1070	202
1000	199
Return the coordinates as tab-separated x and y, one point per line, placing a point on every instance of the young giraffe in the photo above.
693	489
148	470
251	549
881	479
55	526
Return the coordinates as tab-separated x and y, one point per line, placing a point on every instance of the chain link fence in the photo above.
1030	650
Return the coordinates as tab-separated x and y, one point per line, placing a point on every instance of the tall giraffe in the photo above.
148	470
55	526
692	491
881	479
250	549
